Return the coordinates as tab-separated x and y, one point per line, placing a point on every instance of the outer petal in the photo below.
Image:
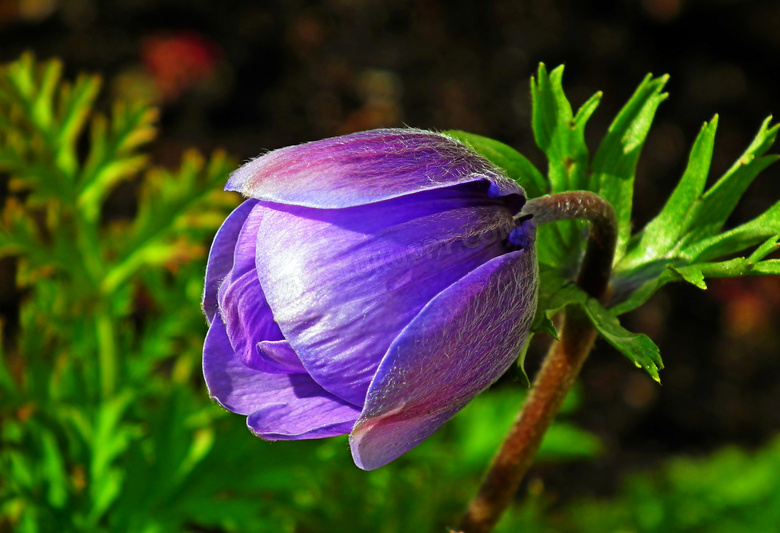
221	256
281	406
458	345
343	283
253	334
367	167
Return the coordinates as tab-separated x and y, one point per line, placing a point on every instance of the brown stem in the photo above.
552	383
596	265
560	367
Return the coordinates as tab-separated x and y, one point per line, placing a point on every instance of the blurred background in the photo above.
248	76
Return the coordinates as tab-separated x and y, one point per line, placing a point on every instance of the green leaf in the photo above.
559	133
664	232
169	204
54	467
565	441
732	268
109	439
614	164
8	385
638	347
561	136
738	239
682	240
692	274
696	274
202	444
719	201
29	145
108	491
557	292
770	266
75	105
113	153
769	246
75	108
42	108
520	373
516	166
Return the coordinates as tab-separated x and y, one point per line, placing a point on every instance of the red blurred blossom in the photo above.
177	61
751	306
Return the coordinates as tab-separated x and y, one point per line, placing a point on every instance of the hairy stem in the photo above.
561	365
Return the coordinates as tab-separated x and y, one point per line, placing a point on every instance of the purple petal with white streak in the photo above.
367	167
456	347
343	283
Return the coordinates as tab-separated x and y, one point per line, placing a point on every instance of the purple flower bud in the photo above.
372	284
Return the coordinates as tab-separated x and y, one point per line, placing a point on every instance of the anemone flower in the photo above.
371	284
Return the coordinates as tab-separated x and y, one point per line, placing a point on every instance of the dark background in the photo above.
255	75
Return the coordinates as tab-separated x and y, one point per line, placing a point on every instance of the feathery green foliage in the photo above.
94	401
104	421
684	242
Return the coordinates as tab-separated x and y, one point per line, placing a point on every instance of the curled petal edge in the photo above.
278	406
220	260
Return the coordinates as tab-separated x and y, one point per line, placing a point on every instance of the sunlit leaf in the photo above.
614	165
558	292
561	136
664	232
715	206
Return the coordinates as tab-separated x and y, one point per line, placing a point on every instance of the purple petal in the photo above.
248	319
221	256
278	355
281	406
343	283
308	416
456	347
367	167
243	308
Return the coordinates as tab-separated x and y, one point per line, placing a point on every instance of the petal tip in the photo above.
377	441
236	180
366	454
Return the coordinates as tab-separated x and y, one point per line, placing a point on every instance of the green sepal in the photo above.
520	373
